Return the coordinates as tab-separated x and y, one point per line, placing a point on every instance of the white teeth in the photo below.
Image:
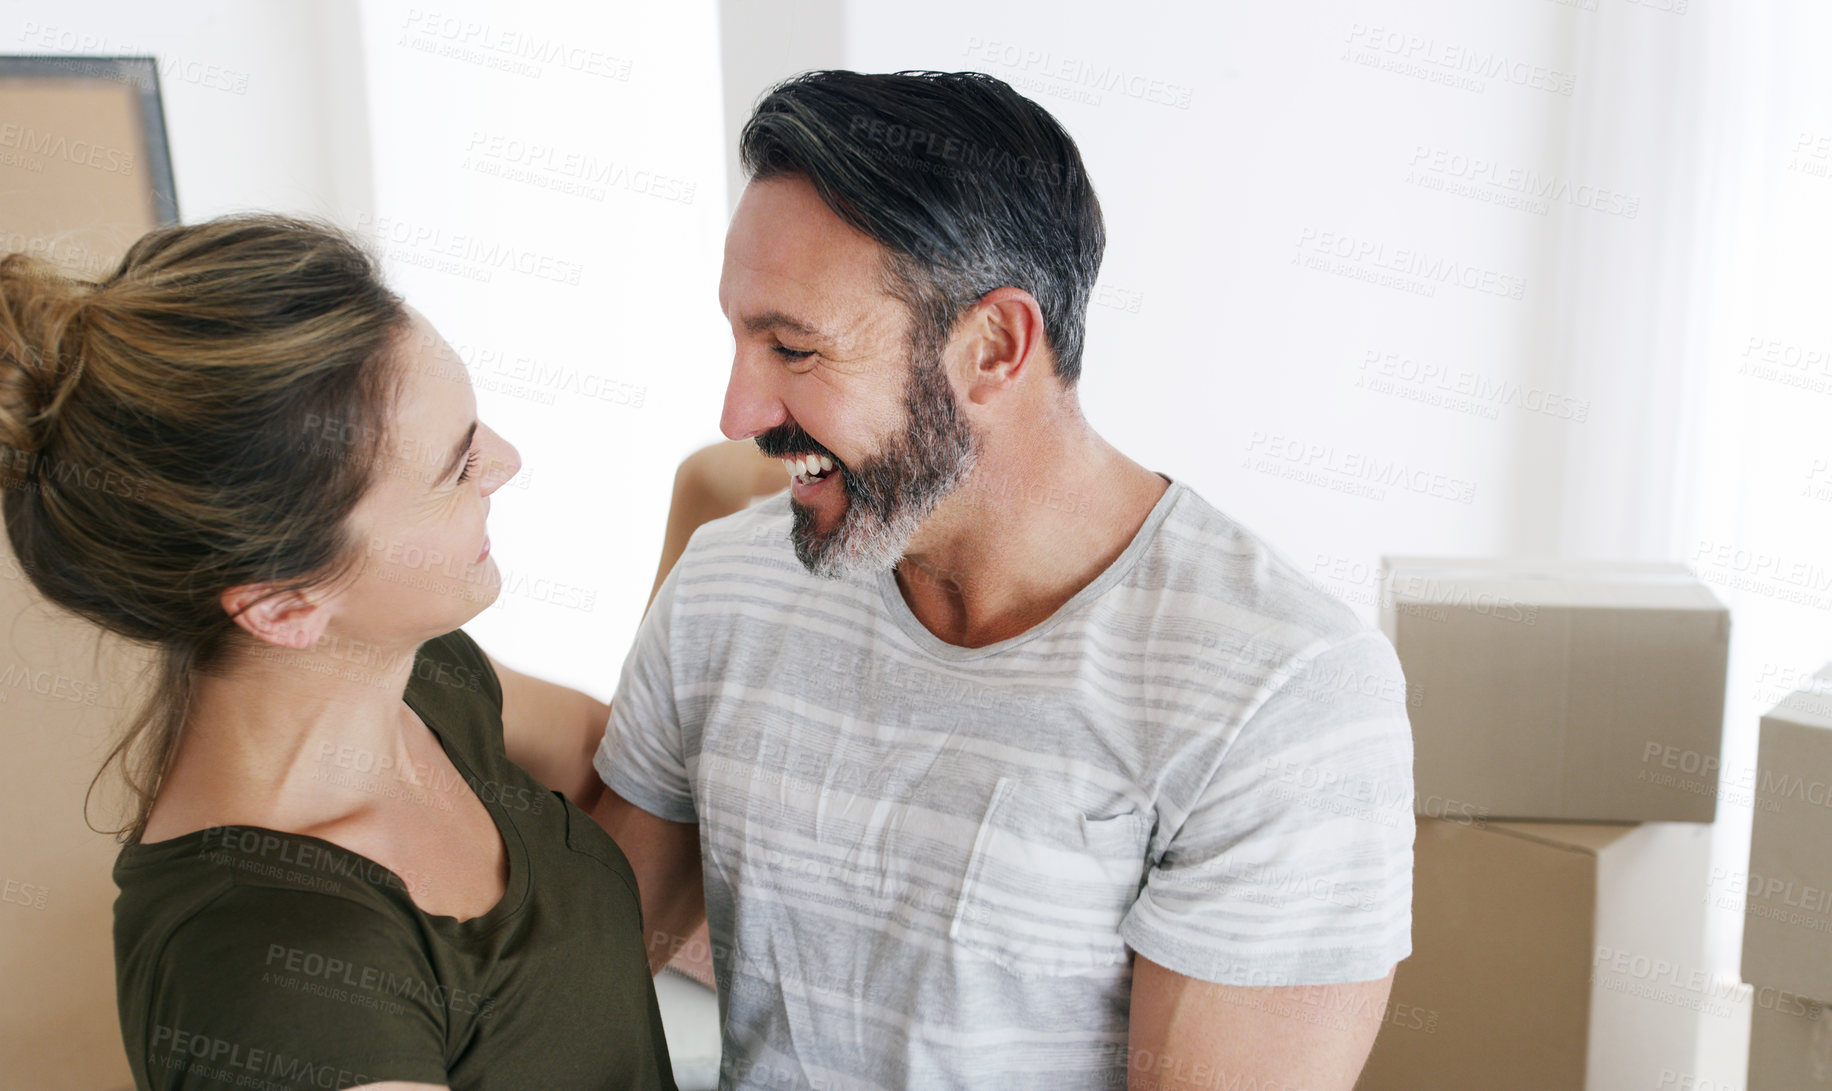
807	467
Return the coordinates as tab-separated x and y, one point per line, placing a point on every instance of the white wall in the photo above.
1242	146
760	43
253	113
1759	467
549	188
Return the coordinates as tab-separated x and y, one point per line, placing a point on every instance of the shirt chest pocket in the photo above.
1047	885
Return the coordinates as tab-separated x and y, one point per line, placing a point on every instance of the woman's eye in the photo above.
470	464
793	354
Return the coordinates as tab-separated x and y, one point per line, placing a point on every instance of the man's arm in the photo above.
1191	1033
666	859
1315	795
552	731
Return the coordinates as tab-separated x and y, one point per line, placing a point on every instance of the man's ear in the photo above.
287	619
1007	339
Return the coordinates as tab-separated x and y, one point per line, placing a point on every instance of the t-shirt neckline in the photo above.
516	888
938	648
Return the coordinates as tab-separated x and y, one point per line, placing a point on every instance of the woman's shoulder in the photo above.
273	967
453	668
456	692
164	884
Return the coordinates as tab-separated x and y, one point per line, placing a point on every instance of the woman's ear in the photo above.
285	618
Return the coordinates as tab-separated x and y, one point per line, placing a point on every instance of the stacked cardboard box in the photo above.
1787	914
1566	723
1570	692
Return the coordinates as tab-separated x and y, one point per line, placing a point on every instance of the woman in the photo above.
242	450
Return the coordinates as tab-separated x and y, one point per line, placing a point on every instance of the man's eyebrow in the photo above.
458	452
776	320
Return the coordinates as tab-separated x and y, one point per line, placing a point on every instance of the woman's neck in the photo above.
267	741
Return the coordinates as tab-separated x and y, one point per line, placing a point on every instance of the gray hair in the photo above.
968	185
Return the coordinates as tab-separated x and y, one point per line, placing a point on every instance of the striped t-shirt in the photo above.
925	864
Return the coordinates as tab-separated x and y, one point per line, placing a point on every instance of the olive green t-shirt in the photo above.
248	957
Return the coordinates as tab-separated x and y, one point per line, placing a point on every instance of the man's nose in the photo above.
752	403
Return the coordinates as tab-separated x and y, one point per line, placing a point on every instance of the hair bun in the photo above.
40	324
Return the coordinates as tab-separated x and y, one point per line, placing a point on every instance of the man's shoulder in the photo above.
1275	627
1209	559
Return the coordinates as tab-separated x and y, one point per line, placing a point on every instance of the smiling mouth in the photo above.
807	469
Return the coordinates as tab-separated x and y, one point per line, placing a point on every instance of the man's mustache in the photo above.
785	440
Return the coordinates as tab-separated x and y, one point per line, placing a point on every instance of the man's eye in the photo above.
792	354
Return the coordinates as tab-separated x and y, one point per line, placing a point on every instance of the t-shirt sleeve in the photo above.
280	988
642	756
1293	865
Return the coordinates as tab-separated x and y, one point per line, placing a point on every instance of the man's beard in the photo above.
889	494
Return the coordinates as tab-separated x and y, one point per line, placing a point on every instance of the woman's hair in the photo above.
205	416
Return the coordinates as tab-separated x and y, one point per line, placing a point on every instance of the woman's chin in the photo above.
484	585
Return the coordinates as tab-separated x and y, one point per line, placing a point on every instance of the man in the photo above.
993	758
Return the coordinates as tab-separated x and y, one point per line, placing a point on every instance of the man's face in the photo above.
823	369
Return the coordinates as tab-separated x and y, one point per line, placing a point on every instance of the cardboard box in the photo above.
1787	909
1790	1044
1564	691
1551	955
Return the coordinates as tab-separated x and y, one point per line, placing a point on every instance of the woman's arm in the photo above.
552	731
711	483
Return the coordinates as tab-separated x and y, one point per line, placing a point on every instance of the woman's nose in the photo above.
501	462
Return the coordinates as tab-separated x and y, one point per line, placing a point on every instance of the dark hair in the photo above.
163	437
967	184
